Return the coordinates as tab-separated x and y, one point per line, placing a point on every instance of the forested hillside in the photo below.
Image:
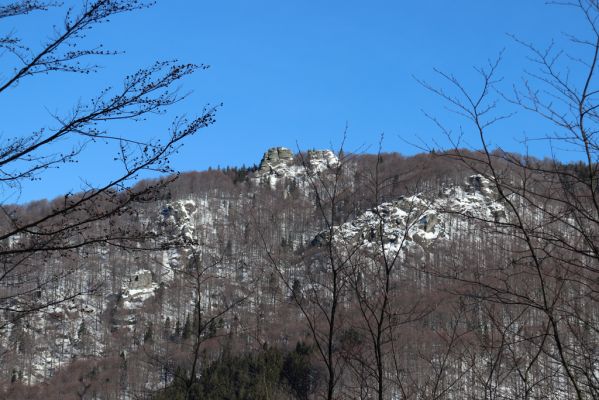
314	275
467	271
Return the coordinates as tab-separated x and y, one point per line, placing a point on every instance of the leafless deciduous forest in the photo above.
459	273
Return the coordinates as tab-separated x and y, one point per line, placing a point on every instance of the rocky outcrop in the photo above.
319	160
178	223
418	221
275	161
141	279
279	163
139	288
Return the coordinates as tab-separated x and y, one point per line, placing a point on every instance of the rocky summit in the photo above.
274	161
280	164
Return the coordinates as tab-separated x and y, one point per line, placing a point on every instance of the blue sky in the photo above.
293	73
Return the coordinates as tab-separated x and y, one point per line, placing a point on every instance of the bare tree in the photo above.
325	290
375	277
205	277
548	277
99	214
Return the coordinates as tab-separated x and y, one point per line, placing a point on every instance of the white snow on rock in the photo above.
419	221
179	221
139	289
278	163
321	160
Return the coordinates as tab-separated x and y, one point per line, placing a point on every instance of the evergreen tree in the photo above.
82	331
166	332
149	335
186	328
177	334
298	372
296	289
83	338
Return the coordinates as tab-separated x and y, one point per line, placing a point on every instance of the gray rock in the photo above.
428	222
141	279
321	159
274	158
476	183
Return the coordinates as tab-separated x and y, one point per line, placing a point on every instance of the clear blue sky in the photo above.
293	72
